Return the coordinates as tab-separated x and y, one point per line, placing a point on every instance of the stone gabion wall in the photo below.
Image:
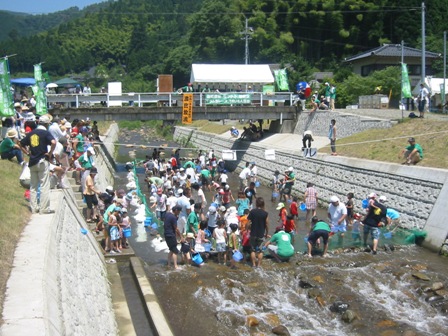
413	198
347	124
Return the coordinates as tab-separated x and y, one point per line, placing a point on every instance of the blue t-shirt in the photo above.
242	203
392	214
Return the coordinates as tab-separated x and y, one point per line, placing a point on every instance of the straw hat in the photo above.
12	133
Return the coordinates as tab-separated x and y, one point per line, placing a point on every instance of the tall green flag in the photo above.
405	85
6	107
281	79
39	91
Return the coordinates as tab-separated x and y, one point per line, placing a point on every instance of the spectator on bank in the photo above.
413	153
90	193
9	147
307	138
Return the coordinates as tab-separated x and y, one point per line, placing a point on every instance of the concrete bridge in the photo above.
175	113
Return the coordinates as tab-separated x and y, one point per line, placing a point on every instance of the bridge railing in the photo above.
160	99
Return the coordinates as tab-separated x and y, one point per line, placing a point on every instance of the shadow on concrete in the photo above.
240	146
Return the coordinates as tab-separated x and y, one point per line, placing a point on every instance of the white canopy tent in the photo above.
231	73
434	85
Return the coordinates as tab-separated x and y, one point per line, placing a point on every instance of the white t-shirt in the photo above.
245	173
336	212
219	235
171	201
223	178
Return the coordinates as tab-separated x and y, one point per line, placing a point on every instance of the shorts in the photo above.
172	244
114	233
91	201
185	248
315	235
255	243
221	247
374	231
349	213
339	228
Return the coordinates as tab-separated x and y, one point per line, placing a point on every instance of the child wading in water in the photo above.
125	224
349	206
234	244
221	237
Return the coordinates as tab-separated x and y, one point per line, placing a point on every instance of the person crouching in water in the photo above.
319	229
280	246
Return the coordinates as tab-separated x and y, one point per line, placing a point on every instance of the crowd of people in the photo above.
232	223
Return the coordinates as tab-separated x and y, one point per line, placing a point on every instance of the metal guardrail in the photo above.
139	99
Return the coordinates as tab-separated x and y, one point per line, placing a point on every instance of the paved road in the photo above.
393	114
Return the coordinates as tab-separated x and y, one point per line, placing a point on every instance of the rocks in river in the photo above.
314	293
442	292
436	286
339	307
349	316
280	330
421	276
304	283
272	319
252	321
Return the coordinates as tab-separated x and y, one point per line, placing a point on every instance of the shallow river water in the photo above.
387	294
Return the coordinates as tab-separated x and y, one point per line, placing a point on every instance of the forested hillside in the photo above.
134	40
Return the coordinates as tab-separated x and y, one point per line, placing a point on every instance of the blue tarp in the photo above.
23	81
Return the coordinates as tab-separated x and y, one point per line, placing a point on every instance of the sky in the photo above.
43	6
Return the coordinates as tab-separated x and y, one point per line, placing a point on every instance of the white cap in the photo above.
91	150
110	188
44	120
334	199
383	198
180	191
372	195
212	209
290	169
227	187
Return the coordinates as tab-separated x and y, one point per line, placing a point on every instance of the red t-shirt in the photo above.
290	225
294	208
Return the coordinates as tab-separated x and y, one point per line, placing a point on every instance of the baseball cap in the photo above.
290	169
180	191
383	198
334	199
280	206
93	170
110	188
212	209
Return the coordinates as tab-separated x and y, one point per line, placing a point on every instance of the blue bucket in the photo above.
257	184
148	221
365	204
216	205
207	233
84	231
155	226
387	235
127	232
238	256
303	206
207	247
275	194
197	259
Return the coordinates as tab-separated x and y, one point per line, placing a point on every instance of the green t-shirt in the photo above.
87	164
106	213
419	148
291	179
192	220
6	145
333	93
205	173
80	144
321	226
283	241
328	91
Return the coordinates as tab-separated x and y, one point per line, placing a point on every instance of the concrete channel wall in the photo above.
58	284
418	193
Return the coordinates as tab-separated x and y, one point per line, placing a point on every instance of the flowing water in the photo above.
386	293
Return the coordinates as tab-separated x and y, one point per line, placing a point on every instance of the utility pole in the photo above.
444	73
248	31
423	45
401	96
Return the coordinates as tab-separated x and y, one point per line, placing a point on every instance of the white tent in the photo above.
231	73
433	85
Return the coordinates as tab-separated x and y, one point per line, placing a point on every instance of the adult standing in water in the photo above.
332	136
310	201
259	228
172	233
337	212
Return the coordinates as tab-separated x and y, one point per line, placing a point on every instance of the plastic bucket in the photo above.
207	247
365	203
84	231
238	256
275	194
207	233
197	259
154	226
127	232
387	235
257	184
303	207
148	221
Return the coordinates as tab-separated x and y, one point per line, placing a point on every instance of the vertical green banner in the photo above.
39	91
281	79
405	85
6	107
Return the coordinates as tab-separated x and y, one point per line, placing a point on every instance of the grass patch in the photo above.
14	214
103	126
386	144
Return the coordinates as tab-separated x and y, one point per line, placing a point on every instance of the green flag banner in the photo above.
281	79
6	107
405	85
39	91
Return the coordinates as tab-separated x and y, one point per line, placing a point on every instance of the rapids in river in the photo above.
399	291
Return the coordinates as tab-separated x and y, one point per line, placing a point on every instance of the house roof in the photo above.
392	50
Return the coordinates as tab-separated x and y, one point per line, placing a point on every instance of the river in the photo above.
386	294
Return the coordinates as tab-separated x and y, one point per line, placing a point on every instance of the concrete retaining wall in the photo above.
58	284
413	191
